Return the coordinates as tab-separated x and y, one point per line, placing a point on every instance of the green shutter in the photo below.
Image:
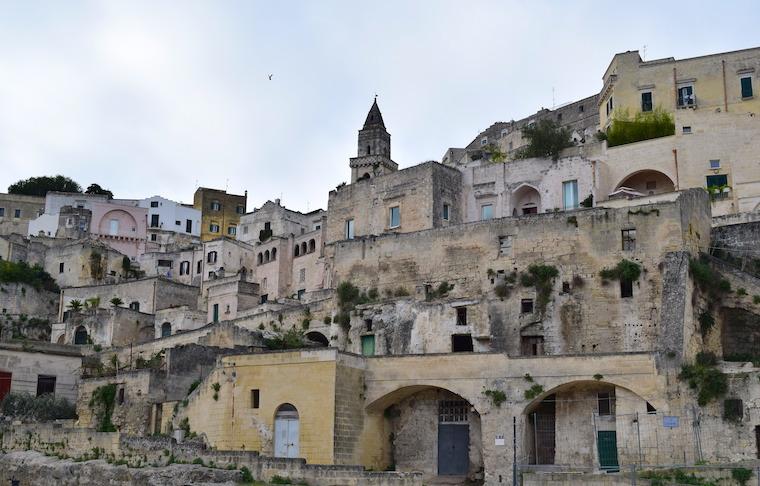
746	87
368	345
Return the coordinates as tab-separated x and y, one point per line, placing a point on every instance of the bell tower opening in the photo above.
373	148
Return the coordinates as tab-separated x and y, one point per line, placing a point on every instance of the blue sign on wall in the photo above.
669	422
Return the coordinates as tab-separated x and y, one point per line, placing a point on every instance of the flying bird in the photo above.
270	76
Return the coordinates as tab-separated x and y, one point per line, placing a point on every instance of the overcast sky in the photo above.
160	97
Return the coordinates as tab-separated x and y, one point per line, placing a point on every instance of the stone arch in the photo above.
266	256
61	339
526	200
260	258
81	336
647	182
125	223
312	245
297	251
442	423
592	409
318	337
304	248
274	254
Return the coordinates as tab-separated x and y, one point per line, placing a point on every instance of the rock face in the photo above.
33	468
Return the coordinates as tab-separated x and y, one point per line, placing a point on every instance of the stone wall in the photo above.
85	262
27	362
28	206
117	326
18	298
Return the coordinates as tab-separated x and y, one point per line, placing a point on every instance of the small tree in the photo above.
75	305
40	186
545	139
116	302
96	189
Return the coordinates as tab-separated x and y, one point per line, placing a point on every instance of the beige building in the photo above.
16	210
220	212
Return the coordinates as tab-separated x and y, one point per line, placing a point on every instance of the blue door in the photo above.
453	449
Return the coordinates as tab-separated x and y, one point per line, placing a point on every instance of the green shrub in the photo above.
497	396
706	279
291	339
21	272
706	322
541	277
193	386
280	480
545	139
741	475
246	477
598	377
703	377
741	291
643	126
102	403
401	292
533	391
624	270
26	407
756	299
327	320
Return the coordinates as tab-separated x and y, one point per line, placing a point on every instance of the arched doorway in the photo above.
432	430
80	335
526	200
318	337
647	183
166	329
286	431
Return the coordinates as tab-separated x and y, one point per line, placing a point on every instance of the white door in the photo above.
286	437
114	227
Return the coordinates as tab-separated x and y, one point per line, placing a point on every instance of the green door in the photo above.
368	345
216	313
607	444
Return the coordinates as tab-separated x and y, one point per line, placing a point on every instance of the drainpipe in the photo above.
675	87
725	93
675	161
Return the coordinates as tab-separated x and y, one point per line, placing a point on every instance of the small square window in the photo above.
213	228
154	204
606	402
686	130
526	306
483	141
486	211
45	385
646	101
629	239
715	164
716	180
16	213
580	108
461	343
746	83
178	223
153	237
255	398
626	288
232	230
461	316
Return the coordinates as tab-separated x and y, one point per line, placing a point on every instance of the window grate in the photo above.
453	411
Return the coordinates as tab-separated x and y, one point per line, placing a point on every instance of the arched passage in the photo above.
647	182
526	200
286	431
602	417
318	337
430	429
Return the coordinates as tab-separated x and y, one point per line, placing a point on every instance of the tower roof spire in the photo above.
374	117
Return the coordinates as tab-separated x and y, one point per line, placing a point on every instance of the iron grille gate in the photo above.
453	411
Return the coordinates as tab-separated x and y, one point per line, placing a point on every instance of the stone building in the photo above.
220	212
171	224
16	211
40	368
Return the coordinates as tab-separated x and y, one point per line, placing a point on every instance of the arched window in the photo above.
368	150
80	335
135	306
166	329
312	245
274	254
260	258
266	256
297	251
303	248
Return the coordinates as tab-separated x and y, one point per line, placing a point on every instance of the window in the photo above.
445	212
153	237
368	325
686	96
154	204
461	343
733	409
184	268
486	211
245	229
483	141
268	226
580	108
135	306
302	275
120	396
166	329
211	257
368	345
651	409
216	313
216	206
746	83
240	210
626	288
395	217
264	283
717	180
526	306
60	267
715	164
610	106
213	228
178	223
646	101
349	229
570	194
154	221
532	345
606	402
188	226
165	263
255	398
629	239
461	316
232	230
198	266
45	384
16	213
2	212
559	117
686	130
505	245
264	299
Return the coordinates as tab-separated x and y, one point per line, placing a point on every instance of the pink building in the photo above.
122	227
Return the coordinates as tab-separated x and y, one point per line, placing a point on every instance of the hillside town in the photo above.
569	298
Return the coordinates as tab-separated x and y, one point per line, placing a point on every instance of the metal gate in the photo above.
453	438
608	453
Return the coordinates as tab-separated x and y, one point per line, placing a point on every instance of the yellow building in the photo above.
220	212
724	82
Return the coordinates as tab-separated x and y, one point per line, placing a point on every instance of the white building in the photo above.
169	219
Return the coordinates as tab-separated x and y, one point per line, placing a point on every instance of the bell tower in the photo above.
374	148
